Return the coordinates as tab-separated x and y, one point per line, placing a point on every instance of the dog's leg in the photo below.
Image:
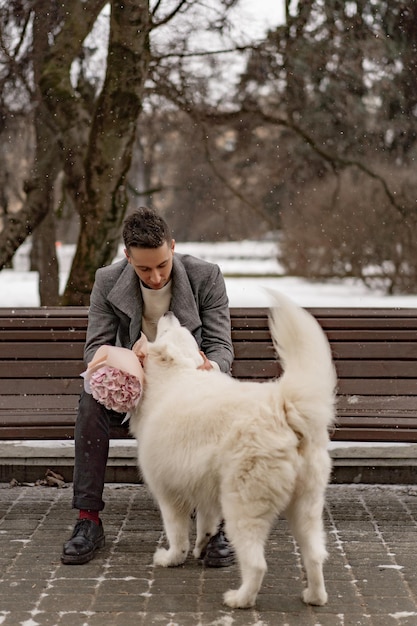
248	536
305	519
207	526
177	526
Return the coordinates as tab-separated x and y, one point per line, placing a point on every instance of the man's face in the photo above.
152	265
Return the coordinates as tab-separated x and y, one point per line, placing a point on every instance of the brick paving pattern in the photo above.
371	573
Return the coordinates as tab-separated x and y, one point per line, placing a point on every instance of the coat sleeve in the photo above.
216	340
103	323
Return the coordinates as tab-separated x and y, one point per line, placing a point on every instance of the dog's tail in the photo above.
309	380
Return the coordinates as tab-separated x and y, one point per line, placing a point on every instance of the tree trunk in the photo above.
45	262
96	153
43	254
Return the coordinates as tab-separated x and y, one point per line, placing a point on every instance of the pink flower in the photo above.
115	389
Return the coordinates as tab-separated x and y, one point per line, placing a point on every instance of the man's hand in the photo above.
206	365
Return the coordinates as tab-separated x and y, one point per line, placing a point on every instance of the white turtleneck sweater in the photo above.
155	305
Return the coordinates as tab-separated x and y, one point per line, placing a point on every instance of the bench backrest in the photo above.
375	353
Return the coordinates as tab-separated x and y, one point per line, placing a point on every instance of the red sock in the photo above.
91	515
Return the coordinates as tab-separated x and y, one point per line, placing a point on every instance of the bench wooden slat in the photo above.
42	350
350	433
378	387
376	369
241	336
40	386
377	323
43	418
253	368
41	369
34	334
368	335
377	421
345	314
338	334
364	387
51	431
39	403
375	350
249	369
254	349
45	313
341	350
356	403
39	322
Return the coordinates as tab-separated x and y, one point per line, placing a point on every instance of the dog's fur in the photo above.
240	451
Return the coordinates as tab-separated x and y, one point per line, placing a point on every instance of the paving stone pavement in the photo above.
371	573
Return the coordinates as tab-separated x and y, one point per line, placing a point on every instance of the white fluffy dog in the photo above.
240	451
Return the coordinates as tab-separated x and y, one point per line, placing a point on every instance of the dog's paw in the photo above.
168	558
317	598
237	600
197	553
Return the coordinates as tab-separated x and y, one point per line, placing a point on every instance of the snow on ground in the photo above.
249	266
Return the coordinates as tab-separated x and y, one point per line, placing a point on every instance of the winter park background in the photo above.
248	266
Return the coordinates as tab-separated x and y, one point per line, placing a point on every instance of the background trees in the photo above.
359	211
310	132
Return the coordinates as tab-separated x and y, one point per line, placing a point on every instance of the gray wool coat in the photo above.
199	300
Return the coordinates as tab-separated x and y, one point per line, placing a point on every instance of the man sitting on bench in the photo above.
128	298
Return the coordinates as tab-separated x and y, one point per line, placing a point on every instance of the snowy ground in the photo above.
249	266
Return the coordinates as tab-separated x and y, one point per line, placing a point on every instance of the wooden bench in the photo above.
375	353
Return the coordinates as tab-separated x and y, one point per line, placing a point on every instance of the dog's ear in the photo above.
140	348
163	353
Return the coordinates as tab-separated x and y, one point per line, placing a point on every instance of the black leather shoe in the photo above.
218	552
86	538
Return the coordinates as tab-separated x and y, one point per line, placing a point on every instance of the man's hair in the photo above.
145	229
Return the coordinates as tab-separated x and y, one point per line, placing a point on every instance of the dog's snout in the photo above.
168	314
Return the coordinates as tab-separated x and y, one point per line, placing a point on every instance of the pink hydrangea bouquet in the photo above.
115	389
115	378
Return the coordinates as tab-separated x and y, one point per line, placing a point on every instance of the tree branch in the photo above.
332	159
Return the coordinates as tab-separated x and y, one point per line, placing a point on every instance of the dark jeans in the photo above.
92	434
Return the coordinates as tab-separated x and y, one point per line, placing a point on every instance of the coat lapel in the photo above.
183	303
126	296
